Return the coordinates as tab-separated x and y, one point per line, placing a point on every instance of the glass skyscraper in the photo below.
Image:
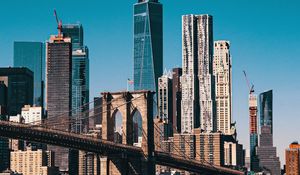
31	55
266	152
266	108
19	83
80	74
148	44
75	32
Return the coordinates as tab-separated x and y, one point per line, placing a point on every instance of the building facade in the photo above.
97	117
266	152
184	145
176	98
80	75
58	90
148	44
19	83
80	88
32	114
15	144
210	147
233	154
33	162
4	142
190	116
292	159
4	154
266	108
223	79
205	73
32	55
254	166
197	80
165	108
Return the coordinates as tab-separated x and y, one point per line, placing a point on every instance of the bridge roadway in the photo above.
103	147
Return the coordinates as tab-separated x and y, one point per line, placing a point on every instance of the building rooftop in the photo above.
5	71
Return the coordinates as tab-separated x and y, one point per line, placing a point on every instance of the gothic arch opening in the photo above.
137	131
118	126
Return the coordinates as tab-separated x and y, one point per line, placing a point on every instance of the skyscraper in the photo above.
80	87
31	55
266	108
190	118
59	87
75	32
198	86
148	44
165	109
253	132
177	93
266	152
222	73
19	83
4	143
3	100
80	74
205	73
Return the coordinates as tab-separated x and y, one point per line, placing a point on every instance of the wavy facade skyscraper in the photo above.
198	86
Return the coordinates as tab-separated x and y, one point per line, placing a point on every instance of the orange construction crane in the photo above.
59	24
251	89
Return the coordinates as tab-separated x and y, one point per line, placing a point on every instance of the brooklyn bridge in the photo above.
123	157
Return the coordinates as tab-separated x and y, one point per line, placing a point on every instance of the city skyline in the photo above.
254	63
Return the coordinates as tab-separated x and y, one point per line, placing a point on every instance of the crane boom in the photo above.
251	89
59	24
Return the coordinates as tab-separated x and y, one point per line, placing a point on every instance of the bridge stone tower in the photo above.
129	103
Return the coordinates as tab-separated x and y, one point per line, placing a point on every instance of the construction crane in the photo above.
251	89
59	24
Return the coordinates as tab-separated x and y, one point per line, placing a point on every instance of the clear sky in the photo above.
264	38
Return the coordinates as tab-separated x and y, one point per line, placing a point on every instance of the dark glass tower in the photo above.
19	83
31	55
75	32
148	44
80	75
4	144
266	152
266	108
59	88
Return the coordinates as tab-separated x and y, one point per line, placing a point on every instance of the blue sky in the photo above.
264	38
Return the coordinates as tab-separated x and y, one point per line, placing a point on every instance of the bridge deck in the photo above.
103	147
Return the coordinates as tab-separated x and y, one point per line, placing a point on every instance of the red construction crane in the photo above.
251	89
59	24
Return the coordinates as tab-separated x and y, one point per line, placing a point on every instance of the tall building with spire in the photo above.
148	44
198	90
222	73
